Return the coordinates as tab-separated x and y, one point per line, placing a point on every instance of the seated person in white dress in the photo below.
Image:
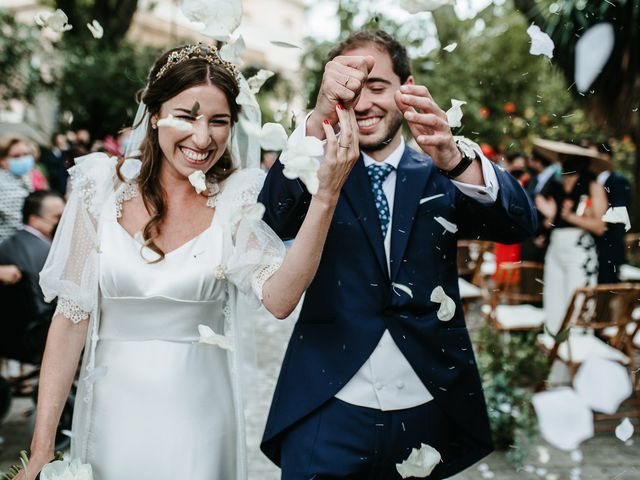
144	265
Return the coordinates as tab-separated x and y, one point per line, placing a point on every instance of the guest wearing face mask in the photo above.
16	164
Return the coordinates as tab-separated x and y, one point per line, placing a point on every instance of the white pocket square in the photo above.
432	197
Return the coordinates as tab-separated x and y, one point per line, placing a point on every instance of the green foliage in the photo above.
99	85
510	366
27	61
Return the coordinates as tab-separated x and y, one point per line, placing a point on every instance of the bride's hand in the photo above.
36	462
340	156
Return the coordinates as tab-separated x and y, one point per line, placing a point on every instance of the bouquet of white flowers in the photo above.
57	469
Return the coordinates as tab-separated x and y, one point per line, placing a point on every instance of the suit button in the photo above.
378	386
399	384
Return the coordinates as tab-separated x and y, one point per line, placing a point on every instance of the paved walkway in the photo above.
604	457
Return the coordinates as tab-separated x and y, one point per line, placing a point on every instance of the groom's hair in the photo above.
383	42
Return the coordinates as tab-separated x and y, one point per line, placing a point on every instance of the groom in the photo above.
371	371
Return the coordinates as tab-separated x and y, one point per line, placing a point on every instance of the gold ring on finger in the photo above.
345	146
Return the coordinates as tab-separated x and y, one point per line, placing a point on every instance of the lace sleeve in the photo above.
257	251
70	272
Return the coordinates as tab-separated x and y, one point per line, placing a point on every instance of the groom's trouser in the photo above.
343	441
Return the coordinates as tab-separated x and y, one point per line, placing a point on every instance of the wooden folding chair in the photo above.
598	322
632	246
470	258
516	297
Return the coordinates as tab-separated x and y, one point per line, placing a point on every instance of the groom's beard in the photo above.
394	124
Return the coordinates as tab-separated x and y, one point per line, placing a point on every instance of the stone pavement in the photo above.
604	457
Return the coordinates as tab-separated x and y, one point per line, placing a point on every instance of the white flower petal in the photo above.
306	169
220	17
170	121
96	29
130	168
624	431
543	454
618	215
576	456
593	50
451	47
273	137
602	384
448	226
283	44
56	21
426	5
257	81
541	43
198	180
470	148
402	288
454	114
564	418
420	462
209	337
447	306
232	50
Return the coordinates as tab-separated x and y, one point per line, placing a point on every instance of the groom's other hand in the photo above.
342	82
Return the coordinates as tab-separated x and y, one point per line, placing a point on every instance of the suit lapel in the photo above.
411	180
357	190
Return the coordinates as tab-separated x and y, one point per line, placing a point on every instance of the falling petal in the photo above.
272	136
451	47
543	454
624	431
96	29
130	168
454	114
198	180
232	50
447	306
565	420
56	21
448	226
593	50
402	288
220	17
284	44
576	456
602	384
257	81
420	462
170	121
300	160
618	215
426	5
541	43
209	337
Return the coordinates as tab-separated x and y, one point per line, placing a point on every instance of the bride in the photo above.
141	260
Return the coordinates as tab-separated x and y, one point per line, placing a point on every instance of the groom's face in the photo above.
378	116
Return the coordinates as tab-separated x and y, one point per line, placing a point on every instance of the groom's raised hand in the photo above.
342	82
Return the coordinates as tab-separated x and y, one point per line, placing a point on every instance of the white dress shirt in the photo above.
603	177
387	381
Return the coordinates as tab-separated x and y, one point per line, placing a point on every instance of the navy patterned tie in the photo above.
378	173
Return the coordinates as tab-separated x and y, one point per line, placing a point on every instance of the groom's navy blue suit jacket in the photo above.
351	301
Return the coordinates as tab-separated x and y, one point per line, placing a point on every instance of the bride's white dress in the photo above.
152	402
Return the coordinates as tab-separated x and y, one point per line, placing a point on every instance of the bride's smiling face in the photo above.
200	148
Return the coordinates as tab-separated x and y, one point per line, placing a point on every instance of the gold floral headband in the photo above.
209	53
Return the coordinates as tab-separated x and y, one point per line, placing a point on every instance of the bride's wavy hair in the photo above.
161	88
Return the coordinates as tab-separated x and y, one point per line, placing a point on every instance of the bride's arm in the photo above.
59	364
282	291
